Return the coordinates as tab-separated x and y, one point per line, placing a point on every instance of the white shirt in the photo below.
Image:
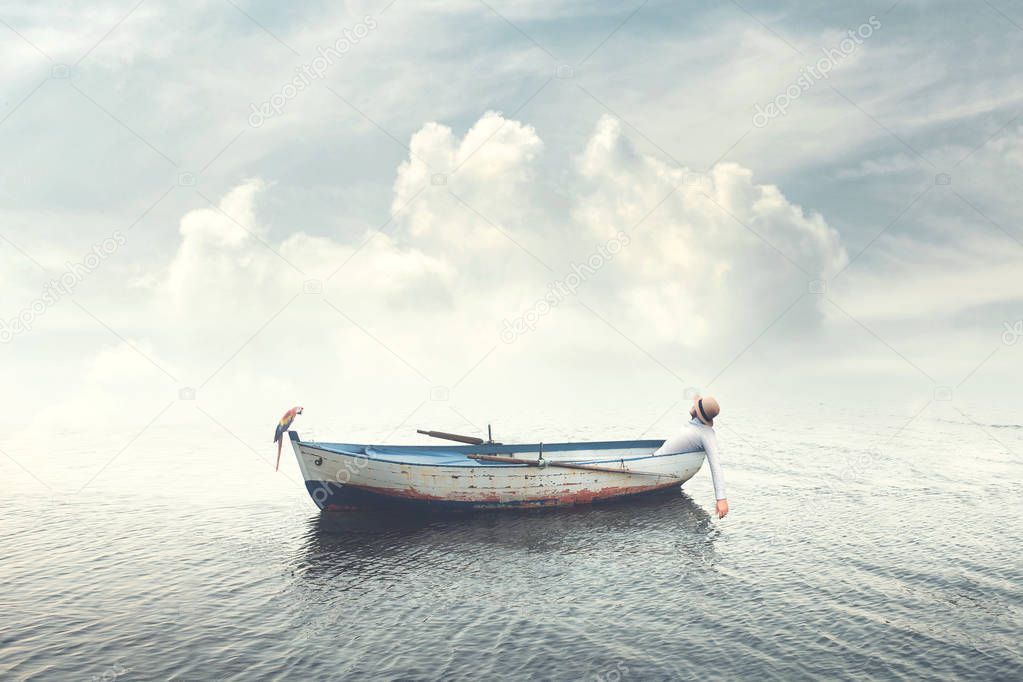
698	436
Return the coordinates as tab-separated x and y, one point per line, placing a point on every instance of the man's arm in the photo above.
710	447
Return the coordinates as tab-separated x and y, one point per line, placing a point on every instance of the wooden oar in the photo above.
566	465
471	440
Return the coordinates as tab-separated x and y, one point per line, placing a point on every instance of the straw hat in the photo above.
705	409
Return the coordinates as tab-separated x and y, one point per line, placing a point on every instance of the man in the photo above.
699	434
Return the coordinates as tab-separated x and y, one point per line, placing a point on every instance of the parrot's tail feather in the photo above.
278	465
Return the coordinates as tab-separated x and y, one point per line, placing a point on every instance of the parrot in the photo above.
282	428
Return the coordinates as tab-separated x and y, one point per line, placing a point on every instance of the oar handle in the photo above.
471	440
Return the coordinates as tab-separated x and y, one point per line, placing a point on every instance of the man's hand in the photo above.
722	508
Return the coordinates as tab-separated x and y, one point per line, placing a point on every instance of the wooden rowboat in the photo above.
486	475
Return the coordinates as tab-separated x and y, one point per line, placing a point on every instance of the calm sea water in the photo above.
858	547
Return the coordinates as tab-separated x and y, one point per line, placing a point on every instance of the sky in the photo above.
439	213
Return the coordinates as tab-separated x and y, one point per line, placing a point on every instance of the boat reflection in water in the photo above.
380	543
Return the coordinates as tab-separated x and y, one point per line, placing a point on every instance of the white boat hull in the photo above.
341	477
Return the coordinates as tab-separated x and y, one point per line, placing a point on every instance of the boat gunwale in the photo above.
497	448
482	449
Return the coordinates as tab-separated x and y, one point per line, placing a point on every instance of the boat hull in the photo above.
348	477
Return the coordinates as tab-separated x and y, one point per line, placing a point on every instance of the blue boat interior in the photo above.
455	455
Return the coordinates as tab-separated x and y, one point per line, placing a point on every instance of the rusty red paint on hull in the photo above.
378	497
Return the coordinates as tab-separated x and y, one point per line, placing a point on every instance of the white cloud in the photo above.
226	260
486	173
431	290
463	250
697	270
899	163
